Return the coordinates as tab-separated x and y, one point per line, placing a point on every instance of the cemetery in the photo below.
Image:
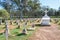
28	20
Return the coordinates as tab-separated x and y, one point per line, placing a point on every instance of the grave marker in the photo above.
32	27
10	22
24	31
18	23
46	19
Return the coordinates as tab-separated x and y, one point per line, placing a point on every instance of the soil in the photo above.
46	33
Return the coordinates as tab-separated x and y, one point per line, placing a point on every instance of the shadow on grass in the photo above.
1	33
39	25
21	34
4	27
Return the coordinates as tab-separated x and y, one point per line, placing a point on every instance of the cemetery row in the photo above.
27	24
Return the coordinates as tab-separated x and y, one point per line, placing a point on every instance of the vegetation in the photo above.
16	34
24	9
28	9
4	14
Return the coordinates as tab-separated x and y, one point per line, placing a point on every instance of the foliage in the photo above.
30	8
4	14
17	33
24	7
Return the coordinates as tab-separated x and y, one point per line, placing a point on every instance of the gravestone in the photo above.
32	27
24	31
10	22
18	23
26	23
45	19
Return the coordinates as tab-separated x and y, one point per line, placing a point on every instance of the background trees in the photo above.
29	8
4	14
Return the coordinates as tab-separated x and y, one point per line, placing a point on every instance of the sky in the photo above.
1	7
51	3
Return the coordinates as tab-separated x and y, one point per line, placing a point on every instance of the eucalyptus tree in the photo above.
23	6
34	6
7	4
51	12
59	11
19	6
30	6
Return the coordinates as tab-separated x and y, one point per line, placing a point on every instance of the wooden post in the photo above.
7	30
0	21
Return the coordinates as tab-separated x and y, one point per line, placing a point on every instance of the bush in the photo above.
4	14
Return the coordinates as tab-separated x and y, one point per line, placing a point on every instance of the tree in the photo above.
25	7
51	12
59	11
33	6
4	14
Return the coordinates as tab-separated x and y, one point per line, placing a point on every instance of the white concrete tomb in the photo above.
45	19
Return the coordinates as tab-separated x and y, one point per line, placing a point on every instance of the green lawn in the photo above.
17	33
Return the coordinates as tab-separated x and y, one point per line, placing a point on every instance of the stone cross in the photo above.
45	12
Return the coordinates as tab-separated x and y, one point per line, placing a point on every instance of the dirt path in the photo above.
46	33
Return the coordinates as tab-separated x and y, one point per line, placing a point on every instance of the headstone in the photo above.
38	20
24	30
45	19
18	23
32	27
26	23
10	22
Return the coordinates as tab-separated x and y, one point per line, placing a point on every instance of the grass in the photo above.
2	26
17	33
57	22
